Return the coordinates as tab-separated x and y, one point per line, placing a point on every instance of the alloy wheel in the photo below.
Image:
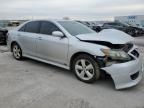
16	51
84	69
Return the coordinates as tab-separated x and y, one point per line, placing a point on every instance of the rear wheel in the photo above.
86	68
17	52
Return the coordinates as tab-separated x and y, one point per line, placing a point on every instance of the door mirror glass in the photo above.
57	34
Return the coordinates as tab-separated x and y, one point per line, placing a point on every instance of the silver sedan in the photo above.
73	46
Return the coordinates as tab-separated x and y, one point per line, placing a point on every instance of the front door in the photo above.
49	47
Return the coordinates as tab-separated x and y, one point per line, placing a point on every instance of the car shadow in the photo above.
49	66
104	83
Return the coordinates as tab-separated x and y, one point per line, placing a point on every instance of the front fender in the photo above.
90	48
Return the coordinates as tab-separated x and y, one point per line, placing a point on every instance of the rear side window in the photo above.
48	27
31	27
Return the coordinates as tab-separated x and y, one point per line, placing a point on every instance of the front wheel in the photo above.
86	68
17	52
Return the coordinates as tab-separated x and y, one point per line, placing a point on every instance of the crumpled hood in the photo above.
107	35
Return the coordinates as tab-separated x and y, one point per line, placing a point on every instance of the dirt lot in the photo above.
31	84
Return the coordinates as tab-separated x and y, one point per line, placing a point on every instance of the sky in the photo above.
74	9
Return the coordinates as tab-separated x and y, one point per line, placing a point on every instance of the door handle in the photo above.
39	38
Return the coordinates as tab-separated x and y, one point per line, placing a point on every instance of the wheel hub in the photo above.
84	69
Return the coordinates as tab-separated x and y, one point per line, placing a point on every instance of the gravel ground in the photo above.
32	84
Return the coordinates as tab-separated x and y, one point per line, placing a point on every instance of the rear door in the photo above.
27	36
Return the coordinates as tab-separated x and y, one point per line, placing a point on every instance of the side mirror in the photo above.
57	34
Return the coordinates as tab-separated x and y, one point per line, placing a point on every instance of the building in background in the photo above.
135	20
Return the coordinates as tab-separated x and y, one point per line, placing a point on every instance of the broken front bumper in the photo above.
129	73
126	74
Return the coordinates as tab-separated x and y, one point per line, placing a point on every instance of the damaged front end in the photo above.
122	62
117	53
125	67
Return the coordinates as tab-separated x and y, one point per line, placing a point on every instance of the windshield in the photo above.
75	28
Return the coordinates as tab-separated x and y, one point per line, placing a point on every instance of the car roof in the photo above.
52	20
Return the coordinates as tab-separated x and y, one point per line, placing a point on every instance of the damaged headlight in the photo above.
116	54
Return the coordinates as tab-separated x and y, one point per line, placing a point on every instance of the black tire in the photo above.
19	56
132	33
96	70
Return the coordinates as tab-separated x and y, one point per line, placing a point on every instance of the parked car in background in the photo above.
97	28
13	23
3	36
140	26
133	31
139	29
76	47
91	25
